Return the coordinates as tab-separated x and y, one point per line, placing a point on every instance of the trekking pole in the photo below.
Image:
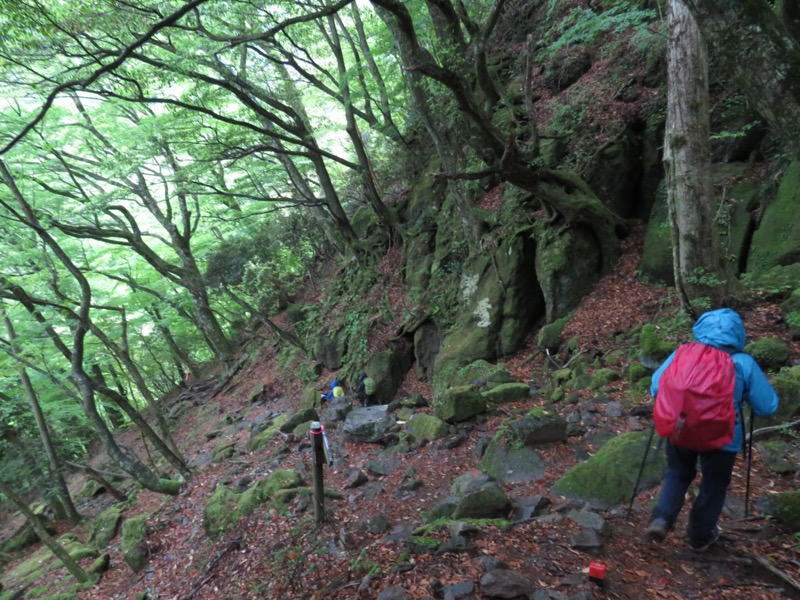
641	470
749	463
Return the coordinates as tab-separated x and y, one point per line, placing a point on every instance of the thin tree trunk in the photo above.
56	476
71	565
385	216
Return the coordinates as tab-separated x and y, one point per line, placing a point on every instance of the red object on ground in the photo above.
597	573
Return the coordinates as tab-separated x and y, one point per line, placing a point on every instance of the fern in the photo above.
583	25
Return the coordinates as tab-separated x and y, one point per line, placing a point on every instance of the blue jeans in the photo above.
716	468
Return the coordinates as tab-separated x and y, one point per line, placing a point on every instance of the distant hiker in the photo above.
366	389
336	391
699	375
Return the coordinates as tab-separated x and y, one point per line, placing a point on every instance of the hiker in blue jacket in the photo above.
336	391
722	329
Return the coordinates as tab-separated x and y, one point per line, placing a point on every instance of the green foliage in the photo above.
585	25
364	566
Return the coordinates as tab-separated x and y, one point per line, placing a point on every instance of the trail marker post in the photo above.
322	455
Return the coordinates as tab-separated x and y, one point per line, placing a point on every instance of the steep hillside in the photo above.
363	548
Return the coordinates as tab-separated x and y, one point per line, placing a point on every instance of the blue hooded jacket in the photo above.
723	329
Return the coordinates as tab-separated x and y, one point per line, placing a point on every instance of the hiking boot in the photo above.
657	530
706	545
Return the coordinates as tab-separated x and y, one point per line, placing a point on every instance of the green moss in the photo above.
134	531
785	507
608	477
602	377
777	239
652	343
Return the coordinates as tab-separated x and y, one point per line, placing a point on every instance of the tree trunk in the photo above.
71	565
699	271
54	463
751	45
127	460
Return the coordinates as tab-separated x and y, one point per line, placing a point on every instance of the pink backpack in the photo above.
694	406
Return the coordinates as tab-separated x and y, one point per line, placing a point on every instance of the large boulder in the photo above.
368	424
459	403
301	416
509	462
481	373
335	410
614	172
770	353
502	300
421	213
132	545
427	427
784	507
479	496
540	426
427	342
737	198
104	527
508	392
388	368
566	67
777	239
568	264
329	350
609	476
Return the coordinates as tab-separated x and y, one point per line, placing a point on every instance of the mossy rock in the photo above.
511	462
784	507
459	404
100	565
134	533
549	336
259	440
76	548
787	386
508	392
777	239
90	489
427	427
104	527
770	353
482	371
608	477
26	537
779	457
540	426
301	416
310	397
654	345
485	503
636	372
220	512
778	282
602	377
224	450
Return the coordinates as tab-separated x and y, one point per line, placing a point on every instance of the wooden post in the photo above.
319	459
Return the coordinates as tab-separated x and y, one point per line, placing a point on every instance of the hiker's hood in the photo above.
718	328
